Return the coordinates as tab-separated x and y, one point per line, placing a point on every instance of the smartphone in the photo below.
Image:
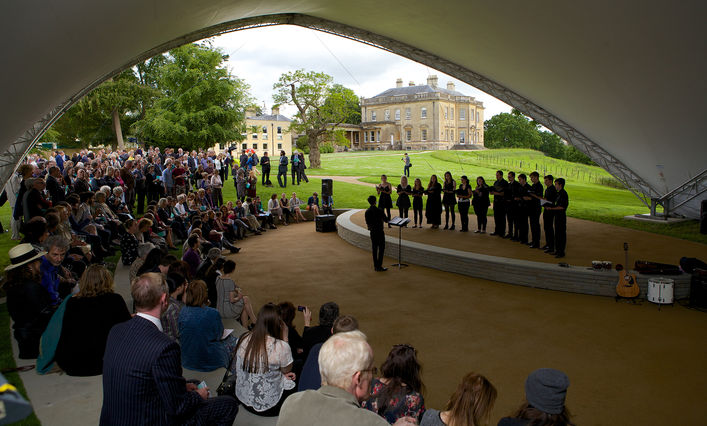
300	308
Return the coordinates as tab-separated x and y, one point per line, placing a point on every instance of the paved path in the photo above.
348	179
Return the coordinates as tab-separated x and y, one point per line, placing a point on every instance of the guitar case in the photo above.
654	268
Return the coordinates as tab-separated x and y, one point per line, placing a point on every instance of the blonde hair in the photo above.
341	356
96	280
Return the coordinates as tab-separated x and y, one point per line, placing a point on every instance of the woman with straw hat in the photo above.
28	303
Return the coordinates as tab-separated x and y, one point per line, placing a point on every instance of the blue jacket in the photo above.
200	331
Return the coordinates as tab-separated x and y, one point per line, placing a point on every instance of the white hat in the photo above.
22	254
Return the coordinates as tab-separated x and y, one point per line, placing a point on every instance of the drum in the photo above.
660	290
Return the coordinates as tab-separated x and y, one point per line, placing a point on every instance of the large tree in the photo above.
511	130
321	106
202	104
88	122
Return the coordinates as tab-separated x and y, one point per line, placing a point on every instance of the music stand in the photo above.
400	222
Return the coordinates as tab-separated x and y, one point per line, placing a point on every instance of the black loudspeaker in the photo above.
325	223
703	217
327	187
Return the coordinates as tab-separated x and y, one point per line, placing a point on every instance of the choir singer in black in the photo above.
374	220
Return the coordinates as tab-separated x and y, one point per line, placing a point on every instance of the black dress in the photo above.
449	198
433	211
384	201
403	200
84	332
417	201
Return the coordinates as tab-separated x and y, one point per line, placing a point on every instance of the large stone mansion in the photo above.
418	117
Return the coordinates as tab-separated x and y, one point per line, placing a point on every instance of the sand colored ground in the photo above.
628	364
586	241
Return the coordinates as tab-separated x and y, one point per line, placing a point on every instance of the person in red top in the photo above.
179	177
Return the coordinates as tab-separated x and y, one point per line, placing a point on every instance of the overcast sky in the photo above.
259	56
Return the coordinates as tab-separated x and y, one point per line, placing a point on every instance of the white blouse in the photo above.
263	390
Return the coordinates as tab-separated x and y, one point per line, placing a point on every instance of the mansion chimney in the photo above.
399	82
250	112
275	110
412	83
432	81
450	85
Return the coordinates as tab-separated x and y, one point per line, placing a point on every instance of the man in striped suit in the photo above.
142	372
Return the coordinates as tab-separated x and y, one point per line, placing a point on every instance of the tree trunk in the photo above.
117	129
314	156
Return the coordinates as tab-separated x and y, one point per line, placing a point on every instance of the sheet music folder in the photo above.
399	221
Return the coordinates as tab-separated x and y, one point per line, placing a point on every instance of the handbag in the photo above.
228	385
410	165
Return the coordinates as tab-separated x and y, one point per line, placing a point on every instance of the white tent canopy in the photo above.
622	81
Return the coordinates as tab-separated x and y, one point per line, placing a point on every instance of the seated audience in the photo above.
56	280
328	312
176	283
327	204
231	302
129	243
313	204
142	376
310	378
469	405
88	317
295	204
275	209
263	365
398	393
201	332
191	254
142	251
545	392
346	365
28	303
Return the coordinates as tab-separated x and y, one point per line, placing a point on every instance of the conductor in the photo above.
374	220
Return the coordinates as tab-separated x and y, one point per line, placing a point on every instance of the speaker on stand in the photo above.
327	187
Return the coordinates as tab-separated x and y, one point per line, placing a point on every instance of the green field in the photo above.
593	192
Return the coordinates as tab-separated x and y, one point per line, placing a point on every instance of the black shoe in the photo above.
550	252
446	226
508	236
273	227
494	234
545	247
533	246
451	228
559	255
549	249
514	239
477	231
234	250
525	243
382	269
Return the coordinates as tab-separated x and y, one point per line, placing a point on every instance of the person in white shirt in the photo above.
216	192
295	204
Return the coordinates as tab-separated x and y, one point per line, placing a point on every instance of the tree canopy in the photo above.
184	98
202	103
514	130
321	106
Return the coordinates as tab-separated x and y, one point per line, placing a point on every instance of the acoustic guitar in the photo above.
628	285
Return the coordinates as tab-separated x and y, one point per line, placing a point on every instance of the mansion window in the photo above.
387	115
279	132
265	132
255	146
423	113
451	134
477	116
279	146
244	146
462	136
265	146
378	136
407	113
355	136
397	115
462	114
452	113
408	135
424	134
373	116
255	136
365	136
446	112
373	136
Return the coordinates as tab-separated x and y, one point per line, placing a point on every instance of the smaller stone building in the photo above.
267	133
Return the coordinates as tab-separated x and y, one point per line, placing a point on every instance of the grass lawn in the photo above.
599	202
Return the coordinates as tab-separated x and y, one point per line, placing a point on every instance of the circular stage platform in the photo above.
498	259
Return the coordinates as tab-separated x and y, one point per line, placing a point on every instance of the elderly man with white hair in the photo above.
346	366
